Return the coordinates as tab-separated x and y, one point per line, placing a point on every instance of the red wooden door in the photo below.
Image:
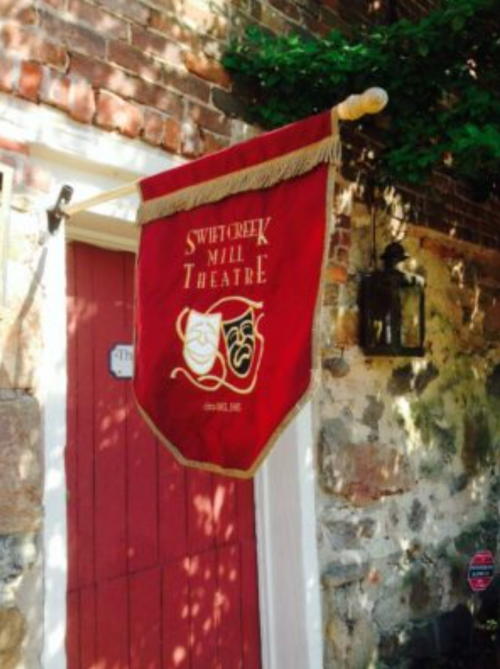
162	560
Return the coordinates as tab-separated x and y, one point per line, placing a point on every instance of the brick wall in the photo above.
150	69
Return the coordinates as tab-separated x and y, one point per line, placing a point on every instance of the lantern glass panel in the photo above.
410	298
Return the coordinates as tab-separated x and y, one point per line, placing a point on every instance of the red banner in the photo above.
228	276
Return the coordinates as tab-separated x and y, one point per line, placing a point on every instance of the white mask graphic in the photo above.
201	341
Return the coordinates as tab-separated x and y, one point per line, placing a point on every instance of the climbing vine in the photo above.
442	74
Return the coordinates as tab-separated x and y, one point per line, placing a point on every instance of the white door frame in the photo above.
92	161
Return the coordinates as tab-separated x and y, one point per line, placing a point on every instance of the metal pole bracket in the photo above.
57	213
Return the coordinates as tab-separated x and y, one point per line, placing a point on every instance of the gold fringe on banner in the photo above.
256	177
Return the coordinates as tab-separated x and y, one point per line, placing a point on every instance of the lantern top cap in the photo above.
393	254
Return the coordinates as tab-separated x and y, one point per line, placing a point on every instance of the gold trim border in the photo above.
315	349
256	177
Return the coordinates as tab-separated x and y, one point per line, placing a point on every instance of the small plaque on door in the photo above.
121	361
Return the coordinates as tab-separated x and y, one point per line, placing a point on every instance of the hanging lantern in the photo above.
392	308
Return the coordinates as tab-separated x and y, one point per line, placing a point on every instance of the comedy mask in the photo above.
201	341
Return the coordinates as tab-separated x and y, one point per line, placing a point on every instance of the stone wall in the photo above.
21	457
408	483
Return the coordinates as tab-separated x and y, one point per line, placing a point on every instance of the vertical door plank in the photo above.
246	510
110	418
72	633
225	509
229	608
142	465
71	461
250	608
203	603
145	620
175	616
142	493
86	311
200	521
112	624
88	628
172	507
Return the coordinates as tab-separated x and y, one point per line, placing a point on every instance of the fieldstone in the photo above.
477	449
425	376
417	516
373	412
338	573
491	323
20	346
401	381
421	594
493	382
12	631
346	328
338	636
17	553
363	645
352	643
342	534
361	473
20	466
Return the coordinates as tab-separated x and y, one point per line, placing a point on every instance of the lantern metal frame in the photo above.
381	307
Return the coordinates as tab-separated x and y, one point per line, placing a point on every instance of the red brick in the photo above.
11	145
152	95
191	141
164	23
56	4
30	45
174	6
172	136
205	22
210	119
16	9
81	101
55	89
134	60
188	84
272	20
30	81
154	127
341	255
10	71
157	45
103	75
128	8
287	8
213	143
98	19
444	251
336	274
208	69
76	37
343	221
341	238
114	113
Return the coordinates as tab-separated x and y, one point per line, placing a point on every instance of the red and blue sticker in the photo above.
481	571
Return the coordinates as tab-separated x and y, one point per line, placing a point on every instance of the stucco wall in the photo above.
21	469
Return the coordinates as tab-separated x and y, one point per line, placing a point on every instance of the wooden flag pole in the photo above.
371	101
